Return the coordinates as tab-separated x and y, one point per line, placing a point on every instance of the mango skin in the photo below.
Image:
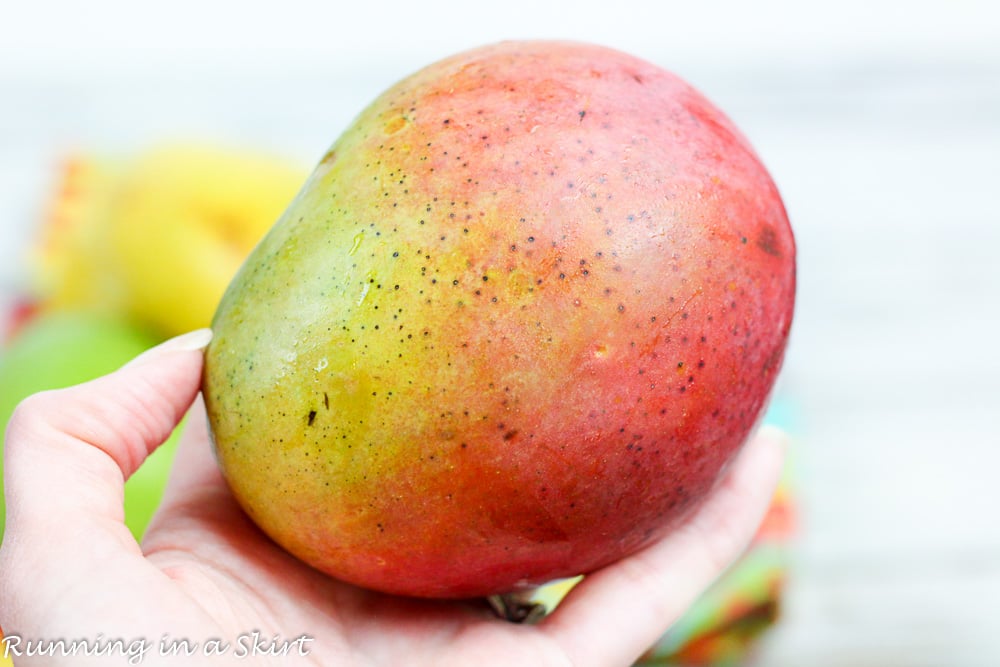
515	325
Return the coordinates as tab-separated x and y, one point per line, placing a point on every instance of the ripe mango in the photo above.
514	326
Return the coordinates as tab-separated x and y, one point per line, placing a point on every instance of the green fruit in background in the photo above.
62	349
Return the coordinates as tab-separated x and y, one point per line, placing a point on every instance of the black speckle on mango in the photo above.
453	304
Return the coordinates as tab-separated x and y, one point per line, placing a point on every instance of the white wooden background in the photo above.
881	124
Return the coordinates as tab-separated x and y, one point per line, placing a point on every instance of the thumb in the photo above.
68	452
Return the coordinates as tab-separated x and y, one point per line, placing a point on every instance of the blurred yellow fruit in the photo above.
159	238
70	261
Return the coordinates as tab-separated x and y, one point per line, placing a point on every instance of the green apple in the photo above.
61	349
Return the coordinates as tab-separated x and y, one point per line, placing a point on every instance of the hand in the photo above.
70	570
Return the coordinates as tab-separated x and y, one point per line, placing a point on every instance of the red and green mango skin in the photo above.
514	326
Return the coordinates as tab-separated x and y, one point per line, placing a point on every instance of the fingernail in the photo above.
192	340
189	342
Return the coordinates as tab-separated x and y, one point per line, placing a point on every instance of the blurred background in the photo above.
880	122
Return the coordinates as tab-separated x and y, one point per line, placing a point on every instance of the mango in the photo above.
513	328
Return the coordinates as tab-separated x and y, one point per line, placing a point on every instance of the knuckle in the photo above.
30	417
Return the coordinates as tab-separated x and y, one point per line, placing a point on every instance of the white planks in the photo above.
895	364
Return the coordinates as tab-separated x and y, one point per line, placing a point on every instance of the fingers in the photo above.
196	489
68	452
195	465
618	612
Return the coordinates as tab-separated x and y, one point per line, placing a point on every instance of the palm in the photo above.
70	568
221	562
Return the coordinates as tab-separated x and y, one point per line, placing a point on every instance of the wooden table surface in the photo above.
890	168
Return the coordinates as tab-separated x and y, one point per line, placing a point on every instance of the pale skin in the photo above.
70	569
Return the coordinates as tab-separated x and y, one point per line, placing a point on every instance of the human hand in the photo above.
70	569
